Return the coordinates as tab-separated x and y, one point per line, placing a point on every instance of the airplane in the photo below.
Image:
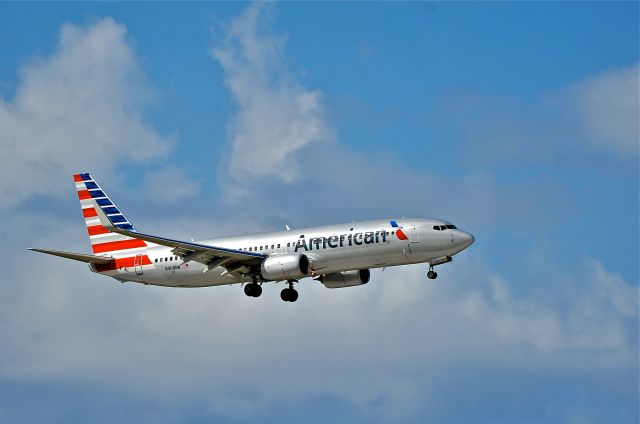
338	256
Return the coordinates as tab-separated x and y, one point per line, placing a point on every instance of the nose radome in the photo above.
465	239
468	239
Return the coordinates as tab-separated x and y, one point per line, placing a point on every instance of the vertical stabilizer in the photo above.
103	242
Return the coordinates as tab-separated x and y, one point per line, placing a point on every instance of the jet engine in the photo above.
285	267
346	279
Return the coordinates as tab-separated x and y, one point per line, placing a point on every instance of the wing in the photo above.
234	261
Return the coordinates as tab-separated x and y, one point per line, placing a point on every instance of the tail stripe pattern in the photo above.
104	242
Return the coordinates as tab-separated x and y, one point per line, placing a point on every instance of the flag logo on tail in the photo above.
103	242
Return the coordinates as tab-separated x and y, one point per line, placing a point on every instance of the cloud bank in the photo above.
384	348
607	107
276	115
80	108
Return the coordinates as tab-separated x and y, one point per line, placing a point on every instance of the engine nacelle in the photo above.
285	267
346	279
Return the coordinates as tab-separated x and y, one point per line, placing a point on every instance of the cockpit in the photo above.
444	227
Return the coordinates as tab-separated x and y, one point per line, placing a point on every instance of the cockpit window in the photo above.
444	227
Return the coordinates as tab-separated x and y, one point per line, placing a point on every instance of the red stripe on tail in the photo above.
94	230
118	245
89	212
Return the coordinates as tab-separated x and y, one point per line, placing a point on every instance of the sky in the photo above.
516	121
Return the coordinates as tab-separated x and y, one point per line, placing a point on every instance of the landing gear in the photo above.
432	275
253	289
289	294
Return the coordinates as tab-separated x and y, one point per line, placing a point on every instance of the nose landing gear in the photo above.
432	275
289	294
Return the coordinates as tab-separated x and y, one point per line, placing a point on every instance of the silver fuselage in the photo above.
330	249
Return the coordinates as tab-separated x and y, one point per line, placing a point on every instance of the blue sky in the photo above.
516	121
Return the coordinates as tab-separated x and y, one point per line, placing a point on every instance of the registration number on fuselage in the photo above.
174	268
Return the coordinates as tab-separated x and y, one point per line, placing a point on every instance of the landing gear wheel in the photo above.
284	295
289	295
293	295
432	275
253	290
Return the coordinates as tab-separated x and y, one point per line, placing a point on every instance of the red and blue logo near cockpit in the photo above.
399	233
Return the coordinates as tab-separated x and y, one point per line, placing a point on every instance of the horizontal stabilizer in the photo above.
76	256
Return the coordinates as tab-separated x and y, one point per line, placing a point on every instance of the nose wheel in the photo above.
289	294
432	275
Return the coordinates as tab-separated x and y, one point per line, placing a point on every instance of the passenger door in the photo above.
137	264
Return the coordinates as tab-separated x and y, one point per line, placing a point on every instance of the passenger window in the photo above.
272	246
288	244
156	260
278	245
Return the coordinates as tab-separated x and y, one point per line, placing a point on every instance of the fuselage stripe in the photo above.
127	262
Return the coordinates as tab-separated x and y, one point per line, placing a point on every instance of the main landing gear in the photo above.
289	294
253	289
432	275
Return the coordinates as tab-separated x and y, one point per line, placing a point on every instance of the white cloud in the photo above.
79	109
608	108
595	121
276	116
168	185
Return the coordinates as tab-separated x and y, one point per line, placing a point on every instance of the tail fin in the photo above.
104	242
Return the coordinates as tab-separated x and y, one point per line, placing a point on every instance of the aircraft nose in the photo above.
465	239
